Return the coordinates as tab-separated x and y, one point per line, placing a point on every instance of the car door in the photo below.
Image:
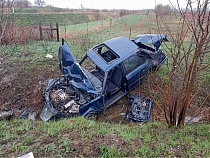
135	71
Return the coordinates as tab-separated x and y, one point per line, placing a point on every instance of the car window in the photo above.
105	53
133	62
88	64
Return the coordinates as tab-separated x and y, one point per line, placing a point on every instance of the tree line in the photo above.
21	3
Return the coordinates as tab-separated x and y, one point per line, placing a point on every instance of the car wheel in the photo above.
92	116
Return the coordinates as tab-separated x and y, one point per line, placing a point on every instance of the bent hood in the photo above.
155	39
71	68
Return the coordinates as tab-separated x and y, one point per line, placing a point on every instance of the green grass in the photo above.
133	19
119	27
47	15
84	26
30	55
46	19
59	138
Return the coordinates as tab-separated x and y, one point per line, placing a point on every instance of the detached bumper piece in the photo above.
6	115
140	108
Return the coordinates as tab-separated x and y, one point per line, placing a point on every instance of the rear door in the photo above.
135	71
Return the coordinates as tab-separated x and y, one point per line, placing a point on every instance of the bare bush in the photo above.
188	69
163	9
19	34
11	33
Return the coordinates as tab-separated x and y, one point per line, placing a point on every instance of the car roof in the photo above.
121	46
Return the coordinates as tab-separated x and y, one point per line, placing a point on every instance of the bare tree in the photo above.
39	3
189	62
163	9
6	7
22	3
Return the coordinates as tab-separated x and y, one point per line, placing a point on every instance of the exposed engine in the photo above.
66	98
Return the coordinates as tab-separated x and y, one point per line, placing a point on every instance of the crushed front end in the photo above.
62	99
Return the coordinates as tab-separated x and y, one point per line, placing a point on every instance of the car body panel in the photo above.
155	39
136	76
94	105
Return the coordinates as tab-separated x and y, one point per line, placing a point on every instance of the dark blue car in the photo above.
107	72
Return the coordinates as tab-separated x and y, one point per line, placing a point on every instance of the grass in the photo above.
47	15
46	19
118	27
61	138
30	55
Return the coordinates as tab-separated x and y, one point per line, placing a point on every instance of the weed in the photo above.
147	137
144	150
103	130
65	145
108	151
49	148
127	133
56	127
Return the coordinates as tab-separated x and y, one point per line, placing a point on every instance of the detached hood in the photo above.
71	68
155	39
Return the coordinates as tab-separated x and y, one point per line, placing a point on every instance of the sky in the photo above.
111	4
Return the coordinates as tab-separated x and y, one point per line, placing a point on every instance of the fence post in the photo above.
57	30
51	31
130	33
40	30
87	28
65	31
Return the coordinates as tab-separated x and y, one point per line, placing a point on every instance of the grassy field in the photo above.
79	137
24	72
34	15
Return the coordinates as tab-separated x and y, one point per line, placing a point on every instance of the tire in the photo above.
92	116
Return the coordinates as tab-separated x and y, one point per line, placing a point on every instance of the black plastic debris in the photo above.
6	115
23	114
140	108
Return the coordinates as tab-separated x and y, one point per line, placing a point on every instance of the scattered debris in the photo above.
46	113
49	56
23	114
140	108
191	119
31	116
6	114
29	155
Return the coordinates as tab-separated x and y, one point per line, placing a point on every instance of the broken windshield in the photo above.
94	73
71	69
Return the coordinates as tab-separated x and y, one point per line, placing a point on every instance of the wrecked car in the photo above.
105	74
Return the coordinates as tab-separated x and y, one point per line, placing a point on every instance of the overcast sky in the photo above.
111	4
